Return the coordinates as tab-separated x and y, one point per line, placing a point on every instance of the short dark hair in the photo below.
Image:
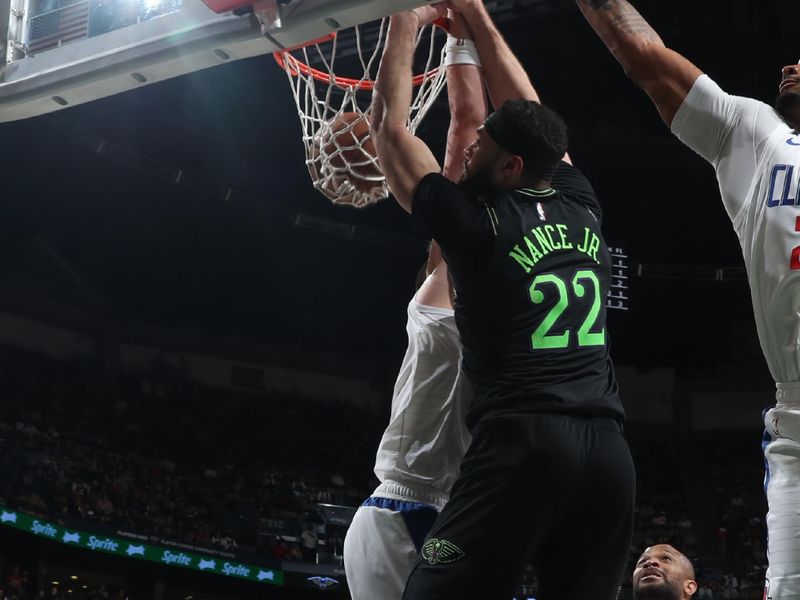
545	136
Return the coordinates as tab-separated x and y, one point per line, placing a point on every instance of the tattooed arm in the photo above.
663	74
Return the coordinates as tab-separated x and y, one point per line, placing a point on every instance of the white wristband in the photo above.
459	51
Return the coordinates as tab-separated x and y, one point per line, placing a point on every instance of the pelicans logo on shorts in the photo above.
775	426
441	552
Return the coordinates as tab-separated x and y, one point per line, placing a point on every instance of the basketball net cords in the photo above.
317	114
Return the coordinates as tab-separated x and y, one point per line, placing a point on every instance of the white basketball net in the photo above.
337	159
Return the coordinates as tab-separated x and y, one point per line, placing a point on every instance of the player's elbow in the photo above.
376	119
641	62
384	132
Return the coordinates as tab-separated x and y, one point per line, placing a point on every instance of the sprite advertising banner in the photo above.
127	549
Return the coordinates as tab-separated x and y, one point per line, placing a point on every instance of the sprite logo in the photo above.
441	552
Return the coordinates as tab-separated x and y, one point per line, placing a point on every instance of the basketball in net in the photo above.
343	163
334	108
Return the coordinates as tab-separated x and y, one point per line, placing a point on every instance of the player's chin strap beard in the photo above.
788	107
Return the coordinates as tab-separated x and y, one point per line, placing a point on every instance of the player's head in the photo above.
519	144
788	103
663	573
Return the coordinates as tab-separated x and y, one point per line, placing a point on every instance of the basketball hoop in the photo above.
334	109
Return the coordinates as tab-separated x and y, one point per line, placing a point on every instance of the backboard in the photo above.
61	53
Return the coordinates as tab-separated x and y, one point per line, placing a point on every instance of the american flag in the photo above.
55	27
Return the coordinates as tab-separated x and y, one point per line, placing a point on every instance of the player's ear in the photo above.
513	165
690	586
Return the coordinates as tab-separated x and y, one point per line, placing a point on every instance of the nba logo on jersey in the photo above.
766	591
540	210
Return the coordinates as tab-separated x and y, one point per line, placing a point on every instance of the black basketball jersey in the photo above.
531	273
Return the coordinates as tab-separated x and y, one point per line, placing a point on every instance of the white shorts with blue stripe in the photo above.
382	544
782	485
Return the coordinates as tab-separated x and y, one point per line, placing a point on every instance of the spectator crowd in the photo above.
242	473
175	460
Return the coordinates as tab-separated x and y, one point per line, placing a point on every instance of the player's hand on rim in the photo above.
429	14
455	25
462	5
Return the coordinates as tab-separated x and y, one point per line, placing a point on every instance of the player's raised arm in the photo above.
663	74
404	158
468	110
466	95
506	78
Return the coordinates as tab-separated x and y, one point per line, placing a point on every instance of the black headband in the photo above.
514	140
509	138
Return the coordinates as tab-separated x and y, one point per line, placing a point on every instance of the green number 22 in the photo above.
541	339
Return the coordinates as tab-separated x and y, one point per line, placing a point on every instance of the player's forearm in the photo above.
393	89
666	76
459	137
624	31
467	112
506	79
405	159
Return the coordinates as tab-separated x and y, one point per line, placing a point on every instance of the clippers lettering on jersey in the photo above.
545	239
791	141
783	186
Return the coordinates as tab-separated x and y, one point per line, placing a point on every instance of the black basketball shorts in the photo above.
553	489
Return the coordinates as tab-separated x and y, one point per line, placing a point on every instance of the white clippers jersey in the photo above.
426	438
757	159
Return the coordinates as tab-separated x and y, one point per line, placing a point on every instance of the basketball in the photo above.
343	153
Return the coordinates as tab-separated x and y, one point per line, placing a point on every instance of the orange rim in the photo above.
295	67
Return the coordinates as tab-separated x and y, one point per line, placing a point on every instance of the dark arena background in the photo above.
197	350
